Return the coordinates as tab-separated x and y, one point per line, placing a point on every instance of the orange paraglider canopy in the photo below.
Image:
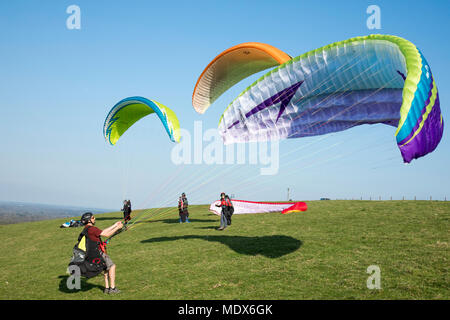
297	207
230	67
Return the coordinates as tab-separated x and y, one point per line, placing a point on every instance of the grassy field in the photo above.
319	254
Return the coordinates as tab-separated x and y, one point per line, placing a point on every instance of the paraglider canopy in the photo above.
375	79
245	207
230	67
129	110
297	207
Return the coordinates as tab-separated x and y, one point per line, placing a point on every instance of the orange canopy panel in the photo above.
297	207
230	67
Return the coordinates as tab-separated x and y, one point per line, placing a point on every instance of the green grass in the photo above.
319	254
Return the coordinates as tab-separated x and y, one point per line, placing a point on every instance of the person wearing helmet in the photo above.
223	215
95	234
126	210
183	208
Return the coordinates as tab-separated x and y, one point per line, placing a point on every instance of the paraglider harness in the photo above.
227	208
183	208
71	224
87	255
126	212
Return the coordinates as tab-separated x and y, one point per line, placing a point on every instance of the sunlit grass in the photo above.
322	253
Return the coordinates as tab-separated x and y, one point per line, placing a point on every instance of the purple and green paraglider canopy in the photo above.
364	80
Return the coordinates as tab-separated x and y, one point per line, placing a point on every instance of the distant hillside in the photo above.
15	212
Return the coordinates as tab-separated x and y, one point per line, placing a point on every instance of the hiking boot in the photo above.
113	290
106	291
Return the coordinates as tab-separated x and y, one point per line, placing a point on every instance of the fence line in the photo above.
379	198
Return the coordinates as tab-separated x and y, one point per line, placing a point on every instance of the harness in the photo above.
100	245
87	255
225	202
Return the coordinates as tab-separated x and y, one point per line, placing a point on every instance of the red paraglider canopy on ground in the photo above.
244	206
297	207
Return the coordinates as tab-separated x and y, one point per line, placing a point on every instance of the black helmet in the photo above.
86	218
183	194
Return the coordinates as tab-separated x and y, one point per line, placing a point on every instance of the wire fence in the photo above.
391	198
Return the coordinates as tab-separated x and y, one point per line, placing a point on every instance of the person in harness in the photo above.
227	206
229	209
95	259
183	208
126	210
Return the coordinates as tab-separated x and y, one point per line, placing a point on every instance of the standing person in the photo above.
183	208
128	211
229	209
94	234
223	217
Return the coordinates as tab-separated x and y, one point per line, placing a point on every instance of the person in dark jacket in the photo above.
229	209
225	204
129	211
183	208
126	210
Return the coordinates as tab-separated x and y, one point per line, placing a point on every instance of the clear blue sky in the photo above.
57	85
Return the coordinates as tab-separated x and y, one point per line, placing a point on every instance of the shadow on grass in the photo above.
177	220
172	221
208	228
268	246
84	285
118	218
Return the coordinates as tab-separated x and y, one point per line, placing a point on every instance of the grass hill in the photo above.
322	253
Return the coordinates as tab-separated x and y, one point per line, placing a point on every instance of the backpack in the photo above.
87	256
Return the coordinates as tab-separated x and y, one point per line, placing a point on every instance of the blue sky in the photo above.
57	86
